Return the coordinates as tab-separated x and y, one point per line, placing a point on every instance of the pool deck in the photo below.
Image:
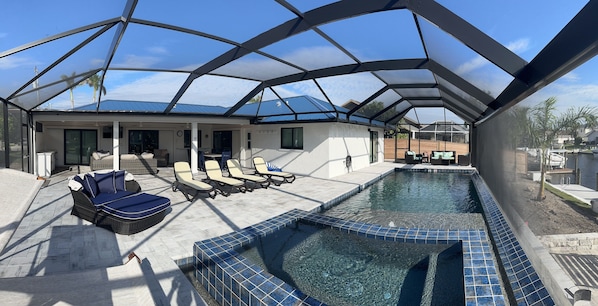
45	244
50	256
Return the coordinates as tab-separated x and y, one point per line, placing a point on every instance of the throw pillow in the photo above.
119	181
147	155
90	185
102	155
79	180
105	182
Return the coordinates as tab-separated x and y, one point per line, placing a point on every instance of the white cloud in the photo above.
156	87
519	46
571	77
158	50
13	62
132	60
478	61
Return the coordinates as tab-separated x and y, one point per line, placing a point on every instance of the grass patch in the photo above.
567	197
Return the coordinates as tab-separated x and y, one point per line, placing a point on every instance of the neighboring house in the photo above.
560	140
312	140
592	137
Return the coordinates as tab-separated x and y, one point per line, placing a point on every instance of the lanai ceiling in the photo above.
389	56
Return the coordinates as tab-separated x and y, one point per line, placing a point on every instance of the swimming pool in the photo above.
341	269
416	199
233	279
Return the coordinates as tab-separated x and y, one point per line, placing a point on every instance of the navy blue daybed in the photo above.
113	200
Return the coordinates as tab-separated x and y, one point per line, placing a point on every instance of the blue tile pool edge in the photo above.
234	280
525	282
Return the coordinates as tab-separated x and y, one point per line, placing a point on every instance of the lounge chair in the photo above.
226	185
235	171
186	184
262	169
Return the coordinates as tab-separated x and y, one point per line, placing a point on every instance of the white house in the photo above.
314	147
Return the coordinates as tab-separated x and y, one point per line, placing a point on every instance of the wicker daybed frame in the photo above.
84	208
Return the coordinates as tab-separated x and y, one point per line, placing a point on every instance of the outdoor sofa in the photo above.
412	158
144	163
442	157
113	200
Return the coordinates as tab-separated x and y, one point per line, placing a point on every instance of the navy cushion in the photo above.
119	180
137	206
105	182
90	185
104	198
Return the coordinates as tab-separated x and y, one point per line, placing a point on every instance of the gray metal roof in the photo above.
390	56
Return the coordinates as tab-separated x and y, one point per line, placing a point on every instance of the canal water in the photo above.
586	163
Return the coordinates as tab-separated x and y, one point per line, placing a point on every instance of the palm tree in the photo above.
70	82
545	126
520	133
95	81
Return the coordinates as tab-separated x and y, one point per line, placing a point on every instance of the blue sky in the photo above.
524	27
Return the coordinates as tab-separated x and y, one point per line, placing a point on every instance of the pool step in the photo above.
430	280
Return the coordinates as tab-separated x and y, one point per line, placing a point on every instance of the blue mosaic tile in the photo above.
527	287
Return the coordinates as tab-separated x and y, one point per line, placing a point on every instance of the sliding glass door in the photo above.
78	146
143	141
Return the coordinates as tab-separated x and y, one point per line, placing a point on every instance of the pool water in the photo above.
416	199
347	269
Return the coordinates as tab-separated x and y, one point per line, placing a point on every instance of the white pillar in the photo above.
33	150
194	147
115	145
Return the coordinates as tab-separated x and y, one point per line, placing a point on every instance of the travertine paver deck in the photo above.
49	241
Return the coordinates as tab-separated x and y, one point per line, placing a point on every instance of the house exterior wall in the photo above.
592	137
325	148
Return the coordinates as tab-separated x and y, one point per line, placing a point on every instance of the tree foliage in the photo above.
70	82
95	81
545	125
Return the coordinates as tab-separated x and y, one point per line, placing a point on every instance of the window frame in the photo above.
294	138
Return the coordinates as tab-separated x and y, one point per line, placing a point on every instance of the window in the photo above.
143	141
107	132
291	138
187	138
222	141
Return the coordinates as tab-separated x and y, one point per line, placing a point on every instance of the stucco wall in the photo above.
325	148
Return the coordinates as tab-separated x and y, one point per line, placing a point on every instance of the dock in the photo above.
580	192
